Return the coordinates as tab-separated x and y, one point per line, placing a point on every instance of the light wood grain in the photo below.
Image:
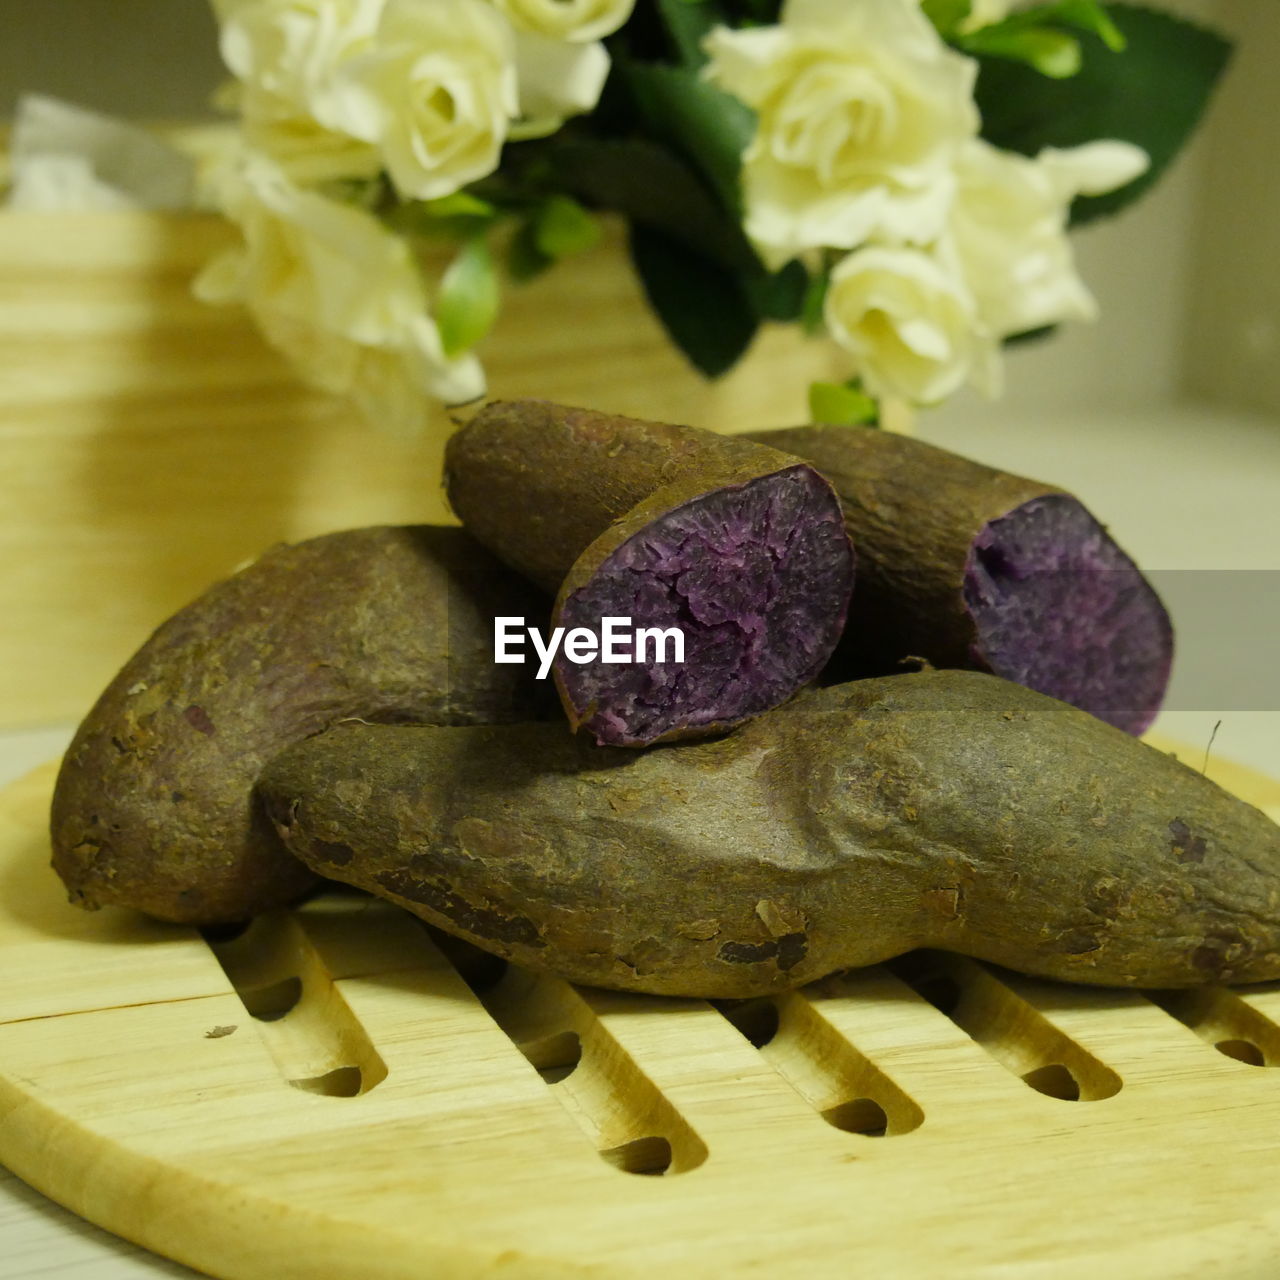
397	1123
149	444
39	1238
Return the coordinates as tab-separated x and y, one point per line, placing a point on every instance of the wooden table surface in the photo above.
105	372
38	1237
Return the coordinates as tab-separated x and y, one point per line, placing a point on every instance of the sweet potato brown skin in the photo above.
153	807
966	566
947	809
913	511
538	483
567	495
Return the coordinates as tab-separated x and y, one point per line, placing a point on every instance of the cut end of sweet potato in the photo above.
1058	607
755	576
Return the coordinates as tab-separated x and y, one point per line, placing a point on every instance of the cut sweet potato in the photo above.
965	566
738	546
948	809
154	803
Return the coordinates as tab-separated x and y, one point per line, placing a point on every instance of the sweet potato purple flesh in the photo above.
739	547
154	806
711	568
965	566
1057	606
948	809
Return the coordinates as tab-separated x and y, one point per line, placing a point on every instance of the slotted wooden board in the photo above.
336	1093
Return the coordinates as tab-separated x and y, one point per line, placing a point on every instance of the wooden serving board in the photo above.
338	1093
149	444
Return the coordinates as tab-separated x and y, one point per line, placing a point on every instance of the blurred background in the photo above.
1188	281
151	443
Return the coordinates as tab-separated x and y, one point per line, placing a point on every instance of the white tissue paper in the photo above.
65	158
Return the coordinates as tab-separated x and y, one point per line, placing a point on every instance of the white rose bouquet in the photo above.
900	175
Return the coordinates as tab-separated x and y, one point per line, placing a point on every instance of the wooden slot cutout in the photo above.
631	1124
1230	1022
843	1086
309	1030
1007	1026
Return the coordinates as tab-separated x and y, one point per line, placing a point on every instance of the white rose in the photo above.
339	294
1094	168
861	108
293	50
910	324
576	20
394	387
435	93
557	79
298	143
1008	229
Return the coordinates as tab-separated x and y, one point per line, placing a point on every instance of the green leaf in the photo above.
702	306
759	13
947	15
841	404
1031	336
467	303
525	259
1084	15
455	217
655	189
711	128
659	192
1051	53
563	226
687	22
1152	95
365	193
1033	36
815	298
460	204
778	295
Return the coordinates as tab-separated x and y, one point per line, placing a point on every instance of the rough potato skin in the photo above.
913	511
153	807
947	809
561	493
539	483
965	566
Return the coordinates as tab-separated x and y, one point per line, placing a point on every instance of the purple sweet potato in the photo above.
153	807
947	809
969	567
738	546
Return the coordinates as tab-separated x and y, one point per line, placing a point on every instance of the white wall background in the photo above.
1233	308
153	59
1188	282
1166	271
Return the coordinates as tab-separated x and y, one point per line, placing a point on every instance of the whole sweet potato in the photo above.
738	546
966	566
153	807
948	809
